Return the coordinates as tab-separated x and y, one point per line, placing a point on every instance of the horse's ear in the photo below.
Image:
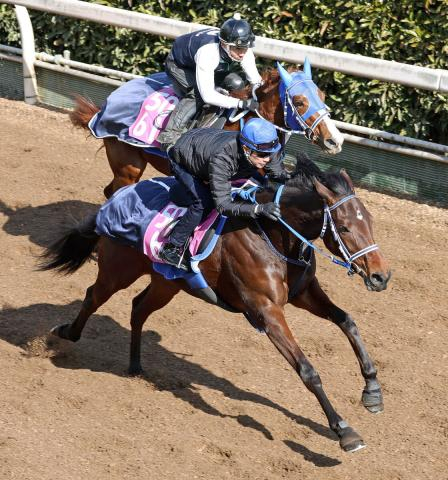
307	68
345	176
284	75
323	191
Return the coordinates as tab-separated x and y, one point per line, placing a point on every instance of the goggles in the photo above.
240	43
261	154
260	147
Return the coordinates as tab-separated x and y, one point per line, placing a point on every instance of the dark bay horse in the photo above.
253	270
302	109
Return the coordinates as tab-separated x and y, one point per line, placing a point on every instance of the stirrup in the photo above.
173	256
168	138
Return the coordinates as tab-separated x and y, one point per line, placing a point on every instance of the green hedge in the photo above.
406	31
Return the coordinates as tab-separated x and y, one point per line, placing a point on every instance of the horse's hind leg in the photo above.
272	319
316	301
152	298
118	268
127	164
96	295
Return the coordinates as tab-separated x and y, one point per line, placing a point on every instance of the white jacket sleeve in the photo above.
207	59
250	67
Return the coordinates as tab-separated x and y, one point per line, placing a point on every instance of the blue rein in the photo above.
335	260
249	195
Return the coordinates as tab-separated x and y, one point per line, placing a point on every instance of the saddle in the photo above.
141	216
200	246
204	237
137	111
210	116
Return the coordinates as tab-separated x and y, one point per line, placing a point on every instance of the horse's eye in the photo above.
299	103
343	229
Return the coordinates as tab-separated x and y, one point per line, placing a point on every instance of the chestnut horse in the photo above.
255	269
302	109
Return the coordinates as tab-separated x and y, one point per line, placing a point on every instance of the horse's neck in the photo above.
304	213
270	105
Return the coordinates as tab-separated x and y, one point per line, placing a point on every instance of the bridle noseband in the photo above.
305	130
301	119
328	220
249	194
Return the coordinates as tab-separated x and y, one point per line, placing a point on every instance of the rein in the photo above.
335	260
328	220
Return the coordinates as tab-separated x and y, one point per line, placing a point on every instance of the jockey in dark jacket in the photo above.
217	157
200	60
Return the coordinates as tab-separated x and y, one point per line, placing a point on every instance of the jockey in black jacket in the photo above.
200	60
217	157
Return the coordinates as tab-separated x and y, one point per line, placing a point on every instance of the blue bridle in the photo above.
328	220
298	83
294	121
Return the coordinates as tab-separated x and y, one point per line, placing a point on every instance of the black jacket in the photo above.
217	157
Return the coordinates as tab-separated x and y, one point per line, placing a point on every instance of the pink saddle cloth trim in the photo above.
160	227
153	116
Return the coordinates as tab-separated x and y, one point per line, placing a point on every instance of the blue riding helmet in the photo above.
260	135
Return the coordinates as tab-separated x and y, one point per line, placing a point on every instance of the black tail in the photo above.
72	250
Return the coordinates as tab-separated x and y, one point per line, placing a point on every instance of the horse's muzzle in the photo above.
331	147
377	282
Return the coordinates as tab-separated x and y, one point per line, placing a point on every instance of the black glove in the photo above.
250	104
270	210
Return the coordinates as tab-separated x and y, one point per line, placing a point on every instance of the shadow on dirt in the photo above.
41	224
315	458
104	347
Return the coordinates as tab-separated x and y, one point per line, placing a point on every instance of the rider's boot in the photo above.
178	122
174	255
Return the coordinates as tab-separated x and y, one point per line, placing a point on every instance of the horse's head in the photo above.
305	110
349	233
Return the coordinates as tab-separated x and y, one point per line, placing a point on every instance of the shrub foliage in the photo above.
406	31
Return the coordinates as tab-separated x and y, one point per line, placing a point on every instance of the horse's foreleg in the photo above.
152	298
274	324
316	301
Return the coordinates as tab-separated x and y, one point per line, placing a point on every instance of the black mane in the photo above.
306	170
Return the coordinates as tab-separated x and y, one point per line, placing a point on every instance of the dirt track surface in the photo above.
217	401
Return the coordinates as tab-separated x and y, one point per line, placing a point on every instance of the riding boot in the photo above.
174	255
178	122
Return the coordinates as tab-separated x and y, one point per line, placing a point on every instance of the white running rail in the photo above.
357	65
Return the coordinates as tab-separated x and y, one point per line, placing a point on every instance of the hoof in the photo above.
350	441
61	331
373	401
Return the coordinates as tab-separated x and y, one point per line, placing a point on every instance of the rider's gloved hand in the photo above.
270	210
249	104
257	85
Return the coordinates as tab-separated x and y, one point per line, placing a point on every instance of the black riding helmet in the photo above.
237	32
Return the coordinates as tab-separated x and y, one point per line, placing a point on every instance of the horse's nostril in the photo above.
330	142
377	278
